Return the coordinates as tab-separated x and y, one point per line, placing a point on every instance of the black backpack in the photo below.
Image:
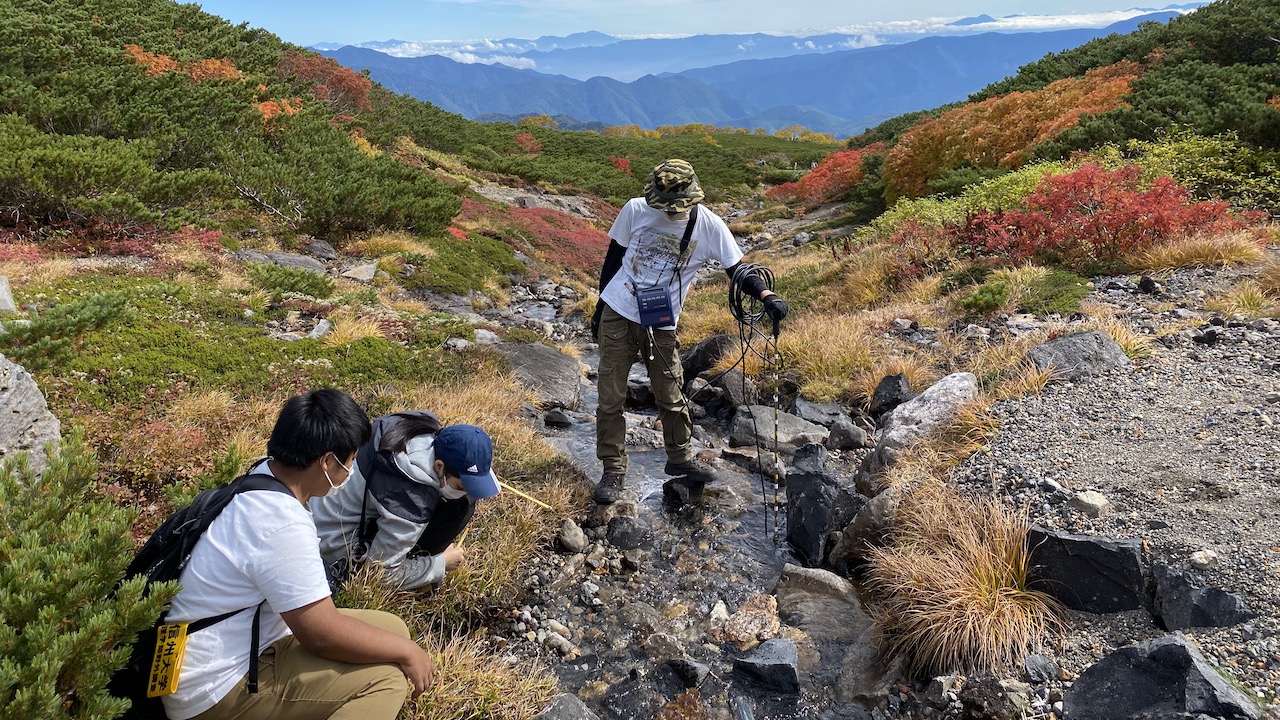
163	557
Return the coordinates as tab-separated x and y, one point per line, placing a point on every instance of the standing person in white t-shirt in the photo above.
262	552
649	258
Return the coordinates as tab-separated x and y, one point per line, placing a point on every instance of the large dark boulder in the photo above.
554	376
892	391
1093	574
704	356
1181	603
1165	677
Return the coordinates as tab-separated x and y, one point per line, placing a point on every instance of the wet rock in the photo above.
1181	604
754	622
554	376
892	391
558	642
663	647
987	697
557	418
627	533
1087	573
566	707
772	666
640	617
1165	677
822	604
26	425
572	538
808	512
690	672
1079	355
634	558
601	515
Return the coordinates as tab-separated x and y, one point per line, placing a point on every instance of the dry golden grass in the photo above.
1237	248
1249	298
953	586
830	352
1025	380
473	680
922	290
348	327
1098	310
1001	359
1135	344
920	374
404	305
968	431
1269	278
383	244
862	280
706	313
197	409
42	272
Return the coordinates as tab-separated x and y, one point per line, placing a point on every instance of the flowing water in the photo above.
724	550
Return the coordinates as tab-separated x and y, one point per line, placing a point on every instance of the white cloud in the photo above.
939	25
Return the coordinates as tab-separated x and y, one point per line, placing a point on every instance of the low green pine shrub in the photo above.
1058	292
988	297
280	280
63	548
46	339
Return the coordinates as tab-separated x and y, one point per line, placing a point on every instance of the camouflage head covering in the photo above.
673	187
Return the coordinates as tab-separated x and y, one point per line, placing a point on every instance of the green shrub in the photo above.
47	337
460	266
63	548
964	277
988	297
280	280
1058	292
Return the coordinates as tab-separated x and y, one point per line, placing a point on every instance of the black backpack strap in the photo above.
251	684
688	230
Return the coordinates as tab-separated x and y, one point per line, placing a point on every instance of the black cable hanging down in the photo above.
749	312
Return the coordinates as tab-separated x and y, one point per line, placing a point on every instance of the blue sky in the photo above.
314	21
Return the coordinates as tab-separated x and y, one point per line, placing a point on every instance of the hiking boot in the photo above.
678	492
611	484
692	472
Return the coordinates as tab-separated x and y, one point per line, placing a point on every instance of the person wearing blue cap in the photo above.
412	490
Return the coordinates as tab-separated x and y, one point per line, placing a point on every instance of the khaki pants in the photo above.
622	343
294	684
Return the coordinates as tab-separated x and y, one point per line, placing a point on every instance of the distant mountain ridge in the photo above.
841	92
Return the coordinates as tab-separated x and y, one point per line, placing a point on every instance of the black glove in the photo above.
595	321
775	307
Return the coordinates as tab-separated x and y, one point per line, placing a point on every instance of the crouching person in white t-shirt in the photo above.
262	555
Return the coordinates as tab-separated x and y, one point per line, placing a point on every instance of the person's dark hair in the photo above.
396	438
315	423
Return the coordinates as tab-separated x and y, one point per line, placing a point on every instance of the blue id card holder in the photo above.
655	306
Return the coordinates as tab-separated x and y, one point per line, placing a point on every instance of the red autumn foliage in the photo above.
1091	216
1001	131
344	89
557	238
621	163
458	233
834	177
529	144
19	250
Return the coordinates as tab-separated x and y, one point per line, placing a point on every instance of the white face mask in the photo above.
451	493
332	486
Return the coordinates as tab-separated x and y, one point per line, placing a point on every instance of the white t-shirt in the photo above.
652	241
263	546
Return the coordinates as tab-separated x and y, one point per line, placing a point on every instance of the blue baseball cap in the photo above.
467	450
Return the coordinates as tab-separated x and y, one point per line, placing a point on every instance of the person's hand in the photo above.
775	307
454	556
595	321
419	670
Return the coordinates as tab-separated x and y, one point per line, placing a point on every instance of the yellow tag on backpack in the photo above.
171	644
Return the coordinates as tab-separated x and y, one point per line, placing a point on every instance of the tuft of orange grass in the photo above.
348	327
1269	279
196	409
920	374
829	352
952	587
1135	344
383	244
1026	380
39	273
1236	248
475	680
1249	298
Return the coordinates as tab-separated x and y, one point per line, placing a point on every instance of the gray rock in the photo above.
771	666
627	533
1164	677
846	436
1090	503
321	249
1079	355
914	421
1039	668
322	328
297	262
6	297
755	426
1093	574
810	497
362	273
810	458
26	425
487	337
823	414
566	707
1181	604
703	356
554	376
572	538
690	672
557	418
868	528
822	604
